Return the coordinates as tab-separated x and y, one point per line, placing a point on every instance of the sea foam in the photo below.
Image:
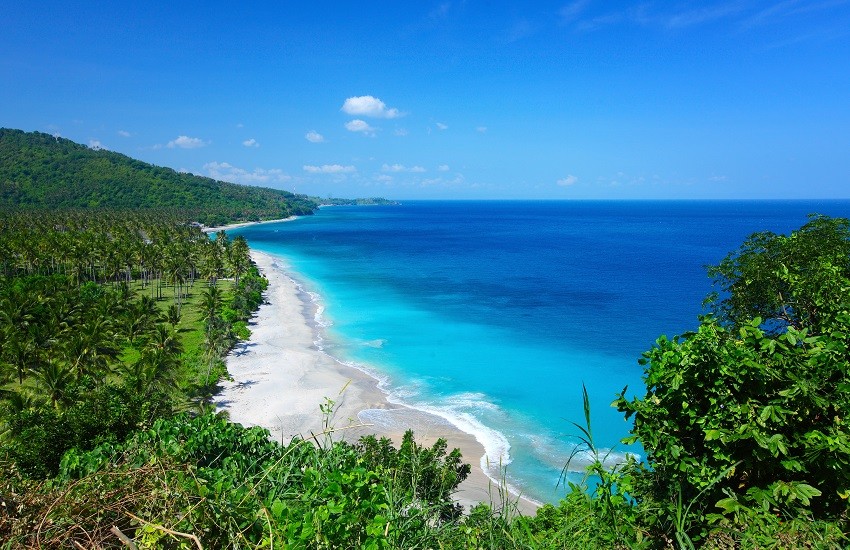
462	410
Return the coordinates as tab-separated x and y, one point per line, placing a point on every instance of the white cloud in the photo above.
442	126
251	143
124	133
186	142
481	129
367	105
401	132
227	172
329	169
384	178
440	181
443	168
314	137
402	168
358	125
567	181
96	145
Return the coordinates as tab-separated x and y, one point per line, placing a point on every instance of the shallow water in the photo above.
493	314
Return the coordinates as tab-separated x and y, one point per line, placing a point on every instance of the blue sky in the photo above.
576	99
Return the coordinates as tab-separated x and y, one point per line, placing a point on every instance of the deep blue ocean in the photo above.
493	314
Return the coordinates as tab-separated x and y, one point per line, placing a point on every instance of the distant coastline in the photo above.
216	229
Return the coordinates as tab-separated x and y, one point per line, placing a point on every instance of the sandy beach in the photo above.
243	224
280	377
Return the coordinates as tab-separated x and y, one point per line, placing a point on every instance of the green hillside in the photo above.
38	170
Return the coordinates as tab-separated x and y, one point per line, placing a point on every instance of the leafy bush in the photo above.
426	475
746	418
225	483
40	435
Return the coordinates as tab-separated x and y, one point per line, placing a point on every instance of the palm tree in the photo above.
156	257
211	300
213	265
159	368
172	316
17	400
23	355
175	270
135	327
221	241
144	312
160	358
91	349
240	258
53	381
16	315
165	340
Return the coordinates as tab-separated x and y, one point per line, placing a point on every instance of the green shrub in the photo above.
745	420
227	483
39	435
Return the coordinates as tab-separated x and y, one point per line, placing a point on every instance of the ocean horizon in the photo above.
494	314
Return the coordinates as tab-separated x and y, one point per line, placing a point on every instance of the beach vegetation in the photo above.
796	281
235	487
744	420
96	340
113	324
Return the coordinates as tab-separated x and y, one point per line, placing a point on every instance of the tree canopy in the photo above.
798	280
747	416
38	170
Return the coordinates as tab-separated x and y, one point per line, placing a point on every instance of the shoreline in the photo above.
283	353
216	229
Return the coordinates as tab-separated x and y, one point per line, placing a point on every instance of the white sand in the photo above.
243	224
280	378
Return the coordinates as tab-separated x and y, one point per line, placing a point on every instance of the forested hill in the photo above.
38	170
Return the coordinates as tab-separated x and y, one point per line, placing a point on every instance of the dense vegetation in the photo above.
234	487
109	321
112	329
745	420
38	170
331	201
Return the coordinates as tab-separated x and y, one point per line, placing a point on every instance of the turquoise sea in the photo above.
493	314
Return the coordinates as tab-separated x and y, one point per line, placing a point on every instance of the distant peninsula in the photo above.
41	171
